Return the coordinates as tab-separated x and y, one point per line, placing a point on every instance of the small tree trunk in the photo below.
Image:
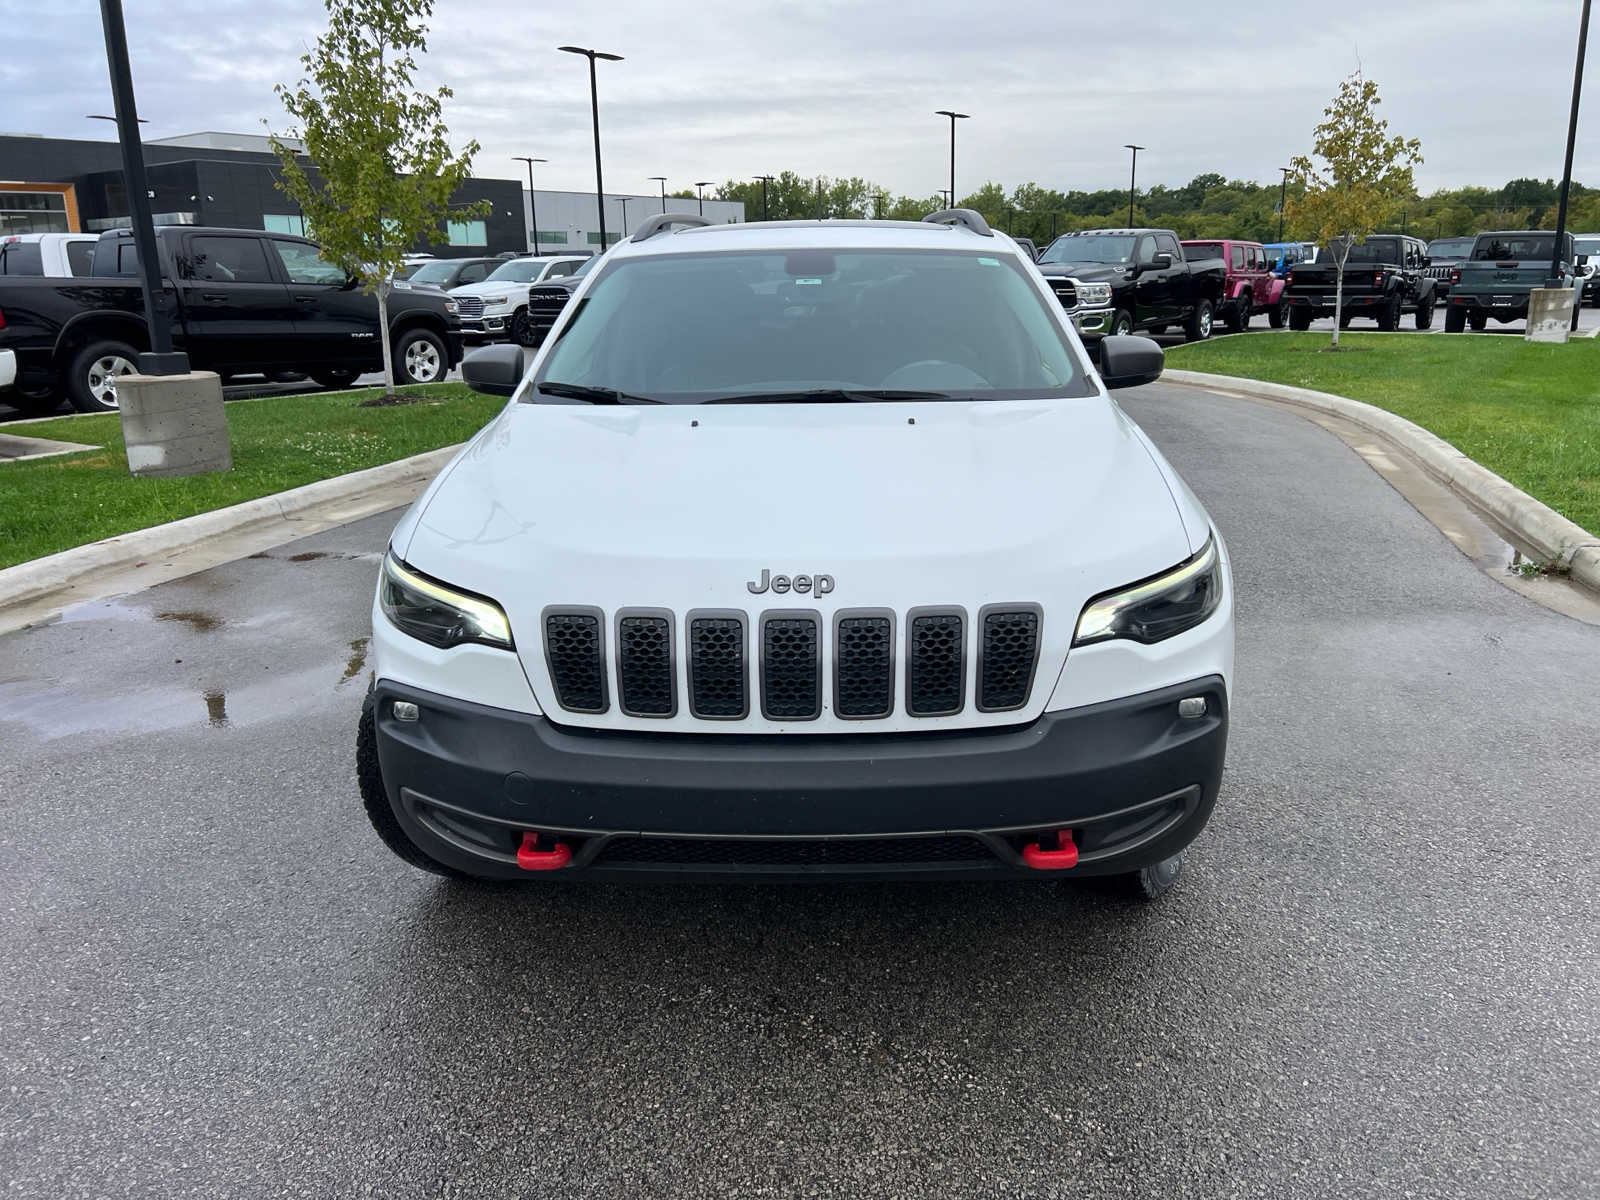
383	335
1338	300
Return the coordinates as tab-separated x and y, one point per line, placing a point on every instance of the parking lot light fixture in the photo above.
699	185
765	179
662	180
1566	173
954	117
623	200
533	200
594	108
1133	173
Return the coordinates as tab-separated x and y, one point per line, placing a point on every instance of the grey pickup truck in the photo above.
1495	279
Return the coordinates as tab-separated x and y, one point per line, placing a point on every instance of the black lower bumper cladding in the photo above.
473	785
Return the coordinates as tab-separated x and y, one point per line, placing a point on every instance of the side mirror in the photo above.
350	284
1160	262
494	370
1128	361
1583	260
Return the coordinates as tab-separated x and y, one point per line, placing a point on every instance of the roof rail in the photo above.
964	217
651	226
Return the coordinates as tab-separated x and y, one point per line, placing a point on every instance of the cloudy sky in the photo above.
717	88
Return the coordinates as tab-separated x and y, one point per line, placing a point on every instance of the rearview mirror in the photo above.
1127	361
494	370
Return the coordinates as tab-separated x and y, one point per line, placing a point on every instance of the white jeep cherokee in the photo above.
803	549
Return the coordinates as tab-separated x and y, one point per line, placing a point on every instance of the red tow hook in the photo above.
1065	855
531	858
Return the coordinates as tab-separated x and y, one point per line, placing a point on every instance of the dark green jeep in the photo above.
1495	279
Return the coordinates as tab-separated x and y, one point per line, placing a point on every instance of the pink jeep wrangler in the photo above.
1251	286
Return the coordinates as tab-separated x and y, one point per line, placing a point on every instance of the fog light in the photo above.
1189	707
404	710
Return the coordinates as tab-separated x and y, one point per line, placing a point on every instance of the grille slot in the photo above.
792	852
644	663
863	664
935	669
791	666
469	306
574	650
717	689
1067	293
1007	653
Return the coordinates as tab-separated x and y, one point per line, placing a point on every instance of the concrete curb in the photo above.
266	521
1535	528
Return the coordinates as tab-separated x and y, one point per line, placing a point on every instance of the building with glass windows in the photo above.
568	220
223	179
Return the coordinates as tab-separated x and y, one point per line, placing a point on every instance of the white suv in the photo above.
803	549
498	307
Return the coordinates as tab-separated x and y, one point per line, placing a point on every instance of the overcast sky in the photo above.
721	88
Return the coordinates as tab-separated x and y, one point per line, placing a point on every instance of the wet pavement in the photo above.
1376	977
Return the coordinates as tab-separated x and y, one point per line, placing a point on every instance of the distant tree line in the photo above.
1209	205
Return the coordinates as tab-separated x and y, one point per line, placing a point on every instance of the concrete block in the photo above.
174	424
1550	314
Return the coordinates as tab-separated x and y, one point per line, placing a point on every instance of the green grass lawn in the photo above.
278	442
1529	412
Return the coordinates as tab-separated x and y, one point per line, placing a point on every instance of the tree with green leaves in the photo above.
1356	176
381	151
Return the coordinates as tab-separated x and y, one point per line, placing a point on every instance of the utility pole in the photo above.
1133	173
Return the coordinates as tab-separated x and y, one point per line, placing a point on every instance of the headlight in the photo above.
488	300
438	615
1096	294
451	307
1158	608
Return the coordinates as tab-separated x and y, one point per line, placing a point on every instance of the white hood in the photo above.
904	505
500	289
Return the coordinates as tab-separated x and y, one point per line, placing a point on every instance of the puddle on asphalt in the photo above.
198	621
216	709
357	660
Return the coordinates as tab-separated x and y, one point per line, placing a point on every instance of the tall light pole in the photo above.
765	179
533	199
1566	173
1133	173
161	360
700	195
954	117
594	108
1283	198
877	204
662	179
623	200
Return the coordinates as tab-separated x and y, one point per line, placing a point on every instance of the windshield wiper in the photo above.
595	395
830	396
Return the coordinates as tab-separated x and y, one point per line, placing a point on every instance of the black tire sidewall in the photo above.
77	382
1197	328
1121	323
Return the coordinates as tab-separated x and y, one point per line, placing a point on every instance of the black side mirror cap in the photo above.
1128	361
494	370
1161	261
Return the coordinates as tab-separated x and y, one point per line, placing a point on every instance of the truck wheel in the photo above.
1121	323
521	329
1152	882
1575	309
375	798
420	357
1425	314
1278	314
1455	320
1198	327
35	401
1479	320
1237	317
1299	319
335	378
93	373
1389	315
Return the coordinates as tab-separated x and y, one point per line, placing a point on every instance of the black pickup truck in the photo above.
240	301
1384	277
1116	281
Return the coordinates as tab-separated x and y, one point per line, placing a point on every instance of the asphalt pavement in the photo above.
1376	978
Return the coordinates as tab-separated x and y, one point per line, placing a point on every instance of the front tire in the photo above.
1121	323
1198	327
336	379
420	357
521	329
93	373
1154	881
375	799
1425	314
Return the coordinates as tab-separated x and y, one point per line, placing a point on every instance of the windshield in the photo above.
1090	247
1521	247
1449	247
518	270
434	272
1589	246
693	328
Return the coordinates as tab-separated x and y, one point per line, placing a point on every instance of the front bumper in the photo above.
1092	323
1133	781
488	327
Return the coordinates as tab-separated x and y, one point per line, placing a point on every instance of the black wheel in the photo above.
420	356
375	799
1478	320
1455	320
1389	315
93	373
1425	314
1278	314
35	401
1154	881
1299	319
1344	322
521	329
1198	327
1237	315
336	378
1121	323
1575	309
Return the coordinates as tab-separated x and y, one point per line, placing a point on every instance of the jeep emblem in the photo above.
821	585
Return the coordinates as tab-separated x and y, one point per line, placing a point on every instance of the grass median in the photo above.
1529	412
279	442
